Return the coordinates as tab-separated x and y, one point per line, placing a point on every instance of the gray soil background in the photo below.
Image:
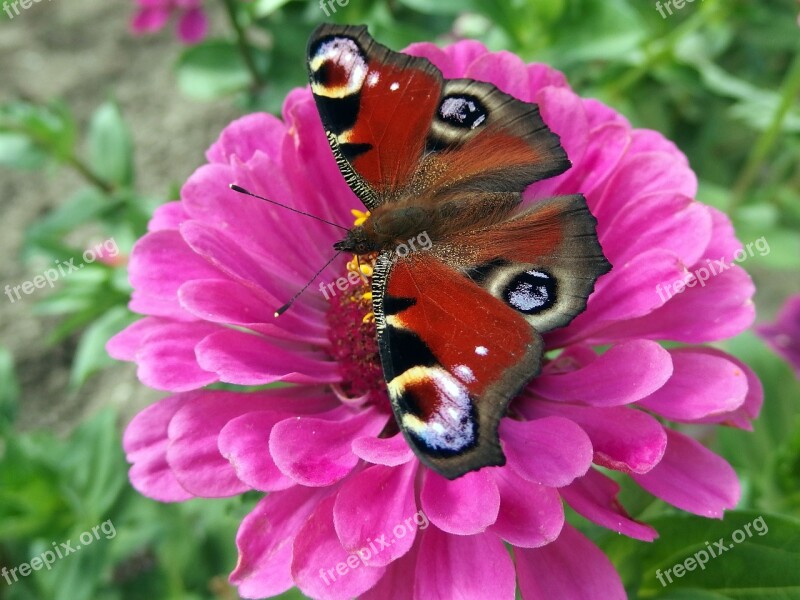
82	52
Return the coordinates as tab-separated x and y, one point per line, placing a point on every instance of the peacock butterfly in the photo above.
459	323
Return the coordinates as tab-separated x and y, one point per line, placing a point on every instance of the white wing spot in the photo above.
464	373
394	87
481	350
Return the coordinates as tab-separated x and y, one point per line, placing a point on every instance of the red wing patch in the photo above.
453	357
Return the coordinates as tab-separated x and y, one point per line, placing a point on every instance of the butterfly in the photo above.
460	321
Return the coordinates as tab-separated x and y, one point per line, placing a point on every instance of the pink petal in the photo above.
783	335
145	443
623	439
531	515
229	302
594	496
551	451
152	269
643	173
125	344
396	584
166	357
662	220
751	407
378	536
463	506
242	138
194	453
244	441
625	373
249	359
629	291
392	452
571	568
505	70
467	567
149	20
606	145
702	385
685	317
317	451
321	567
692	478
192	26
265	541
168	216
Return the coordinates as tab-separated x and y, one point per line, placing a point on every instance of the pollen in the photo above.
360	216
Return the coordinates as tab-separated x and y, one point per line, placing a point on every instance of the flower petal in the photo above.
321	567
194	453
531	515
692	478
702	385
463	506
317	451
249	359
625	373
244	441
623	439
392	452
378	536
467	567
594	496
145	443
265	541
571	568
552	451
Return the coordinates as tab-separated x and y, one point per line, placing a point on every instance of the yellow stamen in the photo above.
360	216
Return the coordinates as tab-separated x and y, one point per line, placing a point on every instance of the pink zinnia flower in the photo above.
215	266
152	15
783	336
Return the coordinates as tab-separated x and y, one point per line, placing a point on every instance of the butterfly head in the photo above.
356	242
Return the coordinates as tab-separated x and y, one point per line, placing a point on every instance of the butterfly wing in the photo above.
453	356
459	326
398	129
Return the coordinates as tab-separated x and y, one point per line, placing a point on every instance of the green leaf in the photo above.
9	389
212	70
51	128
91	355
111	146
440	7
264	8
759	562
18	151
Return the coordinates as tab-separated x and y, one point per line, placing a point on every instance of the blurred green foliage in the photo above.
720	78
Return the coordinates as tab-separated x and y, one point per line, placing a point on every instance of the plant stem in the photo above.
87	174
245	48
762	147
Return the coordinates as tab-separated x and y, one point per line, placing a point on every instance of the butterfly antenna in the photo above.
241	190
286	306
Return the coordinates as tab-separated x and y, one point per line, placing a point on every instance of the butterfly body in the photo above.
459	321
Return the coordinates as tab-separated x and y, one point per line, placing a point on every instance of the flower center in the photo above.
351	330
